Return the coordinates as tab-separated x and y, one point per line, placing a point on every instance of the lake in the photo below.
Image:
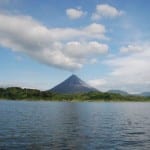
74	125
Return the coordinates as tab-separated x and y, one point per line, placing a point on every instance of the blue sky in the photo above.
105	42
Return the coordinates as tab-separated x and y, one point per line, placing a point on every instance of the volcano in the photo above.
72	85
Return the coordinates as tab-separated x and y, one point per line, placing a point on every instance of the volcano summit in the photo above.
71	85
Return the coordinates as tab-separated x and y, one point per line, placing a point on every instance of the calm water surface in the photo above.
80	126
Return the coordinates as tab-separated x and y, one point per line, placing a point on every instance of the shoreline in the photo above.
72	101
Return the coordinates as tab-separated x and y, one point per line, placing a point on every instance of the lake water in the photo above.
74	125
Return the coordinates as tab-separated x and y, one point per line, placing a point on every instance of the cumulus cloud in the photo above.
77	49
97	83
132	48
73	13
129	72
58	47
105	10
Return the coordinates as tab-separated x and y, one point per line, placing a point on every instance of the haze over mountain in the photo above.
146	94
124	93
73	84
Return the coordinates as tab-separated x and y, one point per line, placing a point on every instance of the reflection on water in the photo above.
89	126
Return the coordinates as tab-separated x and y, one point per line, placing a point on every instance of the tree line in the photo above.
17	93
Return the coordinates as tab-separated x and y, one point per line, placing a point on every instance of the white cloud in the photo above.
73	13
93	61
97	83
133	66
132	48
58	47
77	49
105	10
95	29
129	72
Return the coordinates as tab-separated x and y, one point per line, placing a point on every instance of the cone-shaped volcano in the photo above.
73	84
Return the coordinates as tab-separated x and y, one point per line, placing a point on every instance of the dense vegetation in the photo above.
16	93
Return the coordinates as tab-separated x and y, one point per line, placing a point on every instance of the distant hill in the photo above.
71	85
146	94
118	92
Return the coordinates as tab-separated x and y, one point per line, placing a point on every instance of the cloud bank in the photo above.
130	72
66	48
